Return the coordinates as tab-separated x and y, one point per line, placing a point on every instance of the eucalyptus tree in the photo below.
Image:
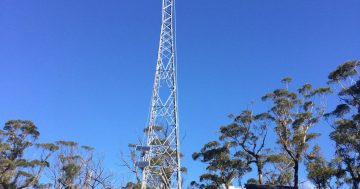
67	166
339	173
223	167
346	123
17	169
248	134
279	170
319	170
294	114
76	167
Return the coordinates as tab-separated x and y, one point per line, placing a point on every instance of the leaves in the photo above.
48	146
294	113
248	132
346	133
279	171
343	71
222	167
16	171
286	80
319	171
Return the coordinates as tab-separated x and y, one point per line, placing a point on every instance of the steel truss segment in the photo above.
163	155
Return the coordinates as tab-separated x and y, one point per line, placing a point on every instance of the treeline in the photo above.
242	146
25	163
245	145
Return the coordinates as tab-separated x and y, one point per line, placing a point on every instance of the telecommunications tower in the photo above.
160	162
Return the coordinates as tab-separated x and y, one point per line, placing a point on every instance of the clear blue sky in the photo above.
83	70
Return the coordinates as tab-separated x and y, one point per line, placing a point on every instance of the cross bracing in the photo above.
161	155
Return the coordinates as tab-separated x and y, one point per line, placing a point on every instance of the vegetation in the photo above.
320	172
346	125
294	113
222	166
75	167
164	175
279	169
248	132
61	162
16	170
291	117
241	146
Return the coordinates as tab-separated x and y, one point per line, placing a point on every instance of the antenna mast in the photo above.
161	156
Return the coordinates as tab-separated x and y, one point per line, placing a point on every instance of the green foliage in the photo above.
156	128
68	164
71	171
131	185
319	170
252	181
75	167
286	80
67	143
223	168
17	171
279	170
294	113
344	71
346	125
162	170
48	146
248	132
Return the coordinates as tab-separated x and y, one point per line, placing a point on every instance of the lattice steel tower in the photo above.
161	154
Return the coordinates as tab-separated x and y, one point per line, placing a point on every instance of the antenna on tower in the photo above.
160	161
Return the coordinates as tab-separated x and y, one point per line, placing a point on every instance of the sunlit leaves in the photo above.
319	170
17	171
222	167
346	125
344	71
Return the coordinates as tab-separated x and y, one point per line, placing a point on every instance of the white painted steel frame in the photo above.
163	170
